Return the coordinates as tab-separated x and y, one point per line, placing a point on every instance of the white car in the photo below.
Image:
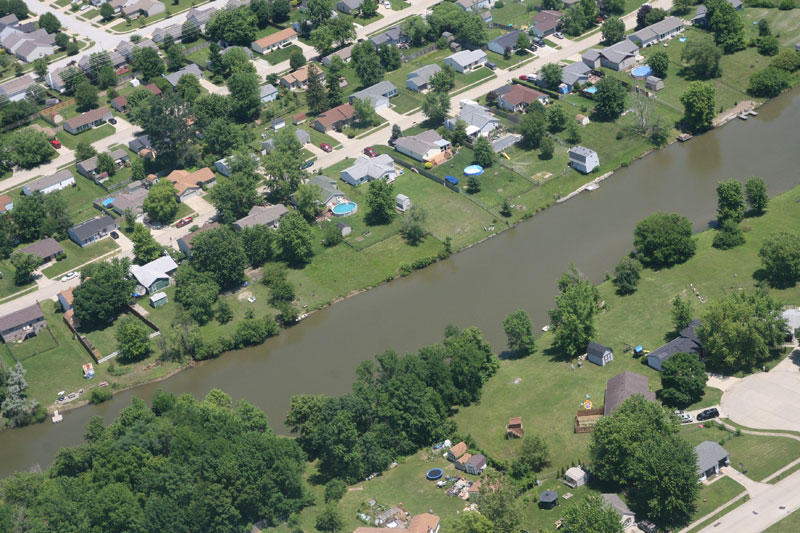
559	35
251	299
69	275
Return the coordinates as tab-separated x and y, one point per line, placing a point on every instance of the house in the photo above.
348	6
599	354
88	167
345	53
624	385
46	250
583	120
277	123
507	41
475	464
188	184
120	104
456	451
175	31
19	325
478	119
626	516
155	275
461	463
791	316
140	144
392	36
26	42
54	81
402	203
335	119
143	8
710	458
546	22
427	146
687	341
9	21
268	93
574	73
519	97
419	79
618	56
6	203
87	120
130	199
582	159
262	216
378	95
655	33
654	83
92	230
126	48
700	18
190	70
15	89
158	299
200	17
466	60
575	477
65	298
299	78
32	49
474	5
424	523
505	142
329	193
274	41
185	242
303	137
60	180
365	169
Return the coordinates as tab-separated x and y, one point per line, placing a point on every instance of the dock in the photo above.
683	137
57	417
743	116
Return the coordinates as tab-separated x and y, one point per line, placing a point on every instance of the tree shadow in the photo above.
762	278
556	355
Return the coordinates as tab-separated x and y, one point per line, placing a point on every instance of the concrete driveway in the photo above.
767	400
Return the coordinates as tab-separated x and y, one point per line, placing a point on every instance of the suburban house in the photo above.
710	458
655	33
345	53
583	159
303	137
599	354
126	48
188	184
348	6
624	385
378	95
573	73
46	249
154	276
507	41
200	17
474	5
626	516
53	79
65	298
274	41
546	22
466	60
87	120
175	31
456	451
262	216
268	93
478	119
114	58
299	78
427	146
60	180
92	230
618	56
143	8
402	203
475	465
120	103
190	70
26	42
335	119
141	145
329	193
419	79
131	198
15	88
575	477
366	169
392	36
20	325
687	341
518	97
185	242
6	203
88	168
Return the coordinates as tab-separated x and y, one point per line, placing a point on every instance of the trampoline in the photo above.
434	473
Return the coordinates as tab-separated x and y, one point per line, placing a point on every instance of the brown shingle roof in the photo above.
520	94
88	117
624	385
332	116
270	40
459	449
44	248
17	318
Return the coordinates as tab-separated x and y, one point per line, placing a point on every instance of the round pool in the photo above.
642	72
473	170
434	473
344	209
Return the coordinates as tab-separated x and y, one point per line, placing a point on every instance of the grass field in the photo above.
515	13
88	136
784	24
790	524
715	494
7	287
283	54
77	256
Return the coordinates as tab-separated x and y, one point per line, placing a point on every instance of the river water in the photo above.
517	269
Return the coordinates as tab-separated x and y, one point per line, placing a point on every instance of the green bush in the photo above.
100	395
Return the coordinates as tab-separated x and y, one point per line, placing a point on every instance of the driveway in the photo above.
767	400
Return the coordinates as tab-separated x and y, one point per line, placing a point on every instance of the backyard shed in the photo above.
158	299
575	477
654	83
599	354
403	203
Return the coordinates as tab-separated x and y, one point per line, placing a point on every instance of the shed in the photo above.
158	299
403	203
583	120
514	428
344	229
456	451
475	464
599	354
654	83
575	477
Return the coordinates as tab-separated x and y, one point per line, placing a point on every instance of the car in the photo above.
370	151
360	40
307	164
647	526
538	42
708	414
114	235
56	143
69	275
685	418
559	35
326	147
524	77
490	65
184	222
251	299
112	120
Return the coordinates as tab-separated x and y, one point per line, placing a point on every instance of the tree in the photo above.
556	118
73	48
258	244
319	12
739	331
532	457
699	103
84	151
365	112
174	57
523	42
768	83
295	238
610	98
458	135
380	202
470	521
573	133
654	16
8	235
367	64
106	79
166	121
780	257
413	229
626	275
145	247
24	265
40	67
552	4
104	291
483	152
546	148
220	253
40	215
86	96
316	96
189	32
222	136
49	23
197	292
335	490
768	45
592	515
498	502
343	29
681	313
786	60
189	88
436	106
390	57
106	164
161	203
703	57
280	10
147	61
551	75
245	96
726	25
659	62
519	332
473	185
641	15
533	126
133	339
756	192
728	235
573	317
330	518
664	239
683	379
369	8
730	201
62	40
297	60
682	7
30	148
307	201
106	11
613	30
322	40
237	26
284	164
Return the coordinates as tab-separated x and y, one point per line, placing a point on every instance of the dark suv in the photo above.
647	526
708	414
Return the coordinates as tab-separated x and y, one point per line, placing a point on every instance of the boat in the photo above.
592	187
683	137
742	116
545	328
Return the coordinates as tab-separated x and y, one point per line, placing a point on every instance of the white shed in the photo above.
403	203
158	299
575	477
599	354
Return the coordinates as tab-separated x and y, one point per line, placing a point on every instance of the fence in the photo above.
425	173
196	47
96	355
415	55
45	113
585	419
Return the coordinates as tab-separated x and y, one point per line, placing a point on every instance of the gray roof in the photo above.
85	230
623	385
139	143
91	163
467	57
47	181
328	187
653	79
302	135
505	142
268	89
477	461
582	150
23	316
709	454
617	504
424	73
687	341
16	85
574	71
422	142
394	34
508	40
262	215
192	69
157	269
375	92
595	348
614	53
131	199
668	25
352	4
475	115
792	317
44	248
345	53
372	167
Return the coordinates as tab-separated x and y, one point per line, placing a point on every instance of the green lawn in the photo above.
283	54
7	287
41	343
516	57
103	338
77	256
78	198
790	524
716	494
399	5
711	397
784	24
515	13
88	136
317	137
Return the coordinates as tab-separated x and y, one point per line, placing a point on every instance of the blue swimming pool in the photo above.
591	90
344	209
642	72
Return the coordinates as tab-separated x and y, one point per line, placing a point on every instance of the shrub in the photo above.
100	395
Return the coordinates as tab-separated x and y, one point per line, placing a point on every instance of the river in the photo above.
517	269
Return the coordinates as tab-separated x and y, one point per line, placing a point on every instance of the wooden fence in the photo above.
587	426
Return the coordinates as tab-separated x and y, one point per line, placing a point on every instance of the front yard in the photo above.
88	136
77	256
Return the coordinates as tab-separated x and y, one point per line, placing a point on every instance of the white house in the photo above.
658	32
626	516
378	95
466	60
268	93
427	146
155	275
366	169
60	180
599	354
15	88
582	159
478	119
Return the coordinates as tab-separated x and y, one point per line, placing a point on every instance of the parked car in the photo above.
559	35
56	143
326	147
184	221
112	120
647	526
114	235
69	275
307	164
370	151
524	77
538	42
708	414
490	65
685	418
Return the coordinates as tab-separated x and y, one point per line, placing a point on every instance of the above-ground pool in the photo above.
434	473
107	202
344	209
473	170
641	72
